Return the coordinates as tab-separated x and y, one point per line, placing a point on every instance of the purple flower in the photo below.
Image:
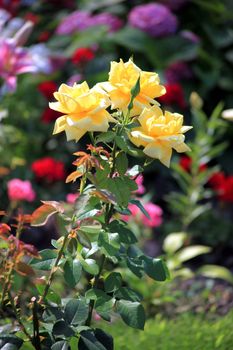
154	19
174	4
113	23
76	21
177	71
81	20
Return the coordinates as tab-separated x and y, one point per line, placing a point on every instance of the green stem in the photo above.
50	279
95	285
108	214
6	284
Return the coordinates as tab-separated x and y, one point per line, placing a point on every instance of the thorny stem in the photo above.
50	279
23	328
36	331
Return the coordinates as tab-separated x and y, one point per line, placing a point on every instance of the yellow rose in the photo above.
123	77
84	110
159	133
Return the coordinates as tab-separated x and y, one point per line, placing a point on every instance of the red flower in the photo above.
82	55
32	17
174	95
49	115
47	88
186	162
44	36
48	169
223	185
11	6
217	180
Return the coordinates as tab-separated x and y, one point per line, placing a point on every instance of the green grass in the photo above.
186	332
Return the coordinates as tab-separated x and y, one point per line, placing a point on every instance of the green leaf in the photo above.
83	239
120	189
76	311
60	345
136	266
125	235
52	314
88	341
127	294
72	272
90	266
11	339
104	338
9	346
140	206
121	143
191	252
112	282
174	241
135	170
61	328
106	137
132	313
88	214
121	163
155	268
215	271
48	258
109	242
134	92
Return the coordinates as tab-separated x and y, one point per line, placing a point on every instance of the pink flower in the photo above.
139	181
19	190
71	197
154	211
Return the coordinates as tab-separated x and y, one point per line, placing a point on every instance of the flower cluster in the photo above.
82	20
48	169
85	110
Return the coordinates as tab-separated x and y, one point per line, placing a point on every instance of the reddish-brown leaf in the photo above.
41	215
73	176
24	269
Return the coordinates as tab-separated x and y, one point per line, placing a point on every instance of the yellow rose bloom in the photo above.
84	110
123	77
160	133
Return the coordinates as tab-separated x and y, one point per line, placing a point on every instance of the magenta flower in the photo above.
154	19
19	190
71	197
139	181
14	60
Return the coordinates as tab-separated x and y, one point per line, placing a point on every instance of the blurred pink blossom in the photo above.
14	60
71	197
154	211
19	190
139	181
